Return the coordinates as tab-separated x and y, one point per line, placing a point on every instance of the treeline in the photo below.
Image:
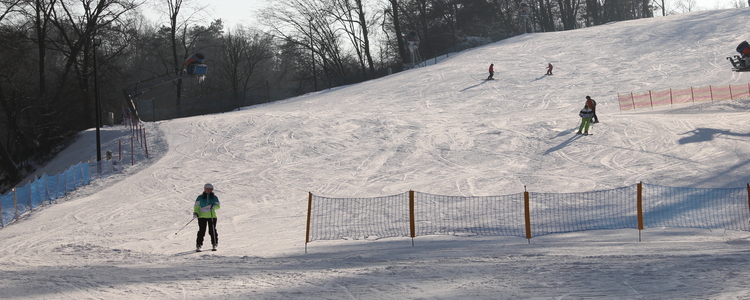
60	56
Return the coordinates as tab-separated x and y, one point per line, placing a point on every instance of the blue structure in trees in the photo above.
192	67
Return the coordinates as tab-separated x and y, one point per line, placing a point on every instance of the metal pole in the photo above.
183	227
97	42
213	226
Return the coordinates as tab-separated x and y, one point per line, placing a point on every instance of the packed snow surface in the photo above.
440	129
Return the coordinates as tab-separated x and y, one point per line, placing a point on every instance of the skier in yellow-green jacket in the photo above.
586	114
205	210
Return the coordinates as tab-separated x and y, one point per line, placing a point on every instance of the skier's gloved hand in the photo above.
195	215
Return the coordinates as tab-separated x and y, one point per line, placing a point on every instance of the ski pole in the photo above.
183	227
213	223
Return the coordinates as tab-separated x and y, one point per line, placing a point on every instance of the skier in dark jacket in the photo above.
592	104
549	69
205	210
492	72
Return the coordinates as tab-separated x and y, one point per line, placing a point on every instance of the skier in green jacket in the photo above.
586	114
205	210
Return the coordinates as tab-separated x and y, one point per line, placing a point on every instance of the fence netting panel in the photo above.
106	168
38	192
569	212
359	218
45	188
81	174
54	186
70	181
682	96
702	94
486	215
9	213
86	170
665	206
740	91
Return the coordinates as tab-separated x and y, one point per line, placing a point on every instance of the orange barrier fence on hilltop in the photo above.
690	95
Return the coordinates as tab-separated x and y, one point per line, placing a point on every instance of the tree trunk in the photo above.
365	38
397	28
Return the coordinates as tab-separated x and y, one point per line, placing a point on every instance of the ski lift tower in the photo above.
523	13
413	43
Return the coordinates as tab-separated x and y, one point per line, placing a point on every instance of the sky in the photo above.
440	129
237	11
234	12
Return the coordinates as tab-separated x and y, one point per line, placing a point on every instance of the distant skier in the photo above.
492	72
592	104
205	210
586	114
549	66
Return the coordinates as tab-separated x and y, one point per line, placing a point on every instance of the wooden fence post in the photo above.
640	209
671	100
527	213
651	100
412	223
46	187
31	195
309	212
132	152
2	220
15	202
145	144
692	95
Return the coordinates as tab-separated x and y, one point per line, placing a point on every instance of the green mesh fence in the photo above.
608	209
359	218
548	213
490	215
665	206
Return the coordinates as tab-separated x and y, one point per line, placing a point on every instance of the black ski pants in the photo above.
211	224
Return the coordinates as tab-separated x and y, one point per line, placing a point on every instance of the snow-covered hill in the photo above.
441	129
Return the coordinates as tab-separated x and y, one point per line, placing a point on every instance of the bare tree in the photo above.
309	24
41	16
6	161
569	12
242	52
663	5
395	16
687	5
76	40
181	44
350	14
